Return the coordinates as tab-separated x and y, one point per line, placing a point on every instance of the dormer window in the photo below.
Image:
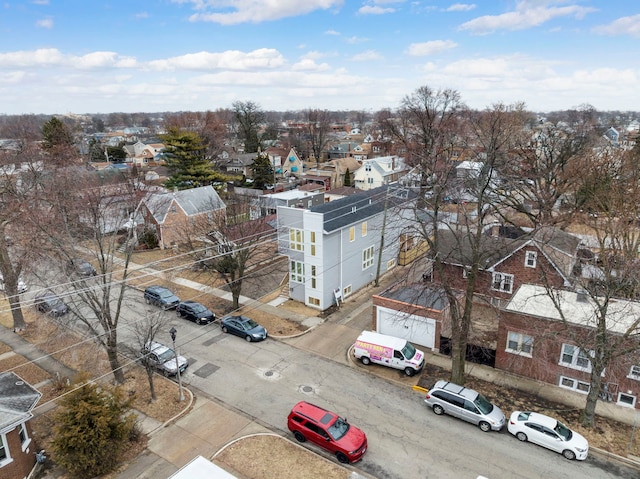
531	259
367	167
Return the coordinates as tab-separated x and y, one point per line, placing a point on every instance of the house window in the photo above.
367	167
5	458
24	437
519	343
296	239
502	282
346	291
634	373
364	228
313	243
530	259
313	276
391	263
575	358
367	257
314	301
574	385
370	181
352	233
626	400
297	271
465	271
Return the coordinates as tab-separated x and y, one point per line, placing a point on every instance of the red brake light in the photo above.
427	396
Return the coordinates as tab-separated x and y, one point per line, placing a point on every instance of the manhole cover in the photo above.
307	389
269	373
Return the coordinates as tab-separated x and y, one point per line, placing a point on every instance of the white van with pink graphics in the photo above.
372	347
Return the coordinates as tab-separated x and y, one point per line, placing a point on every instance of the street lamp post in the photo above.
173	332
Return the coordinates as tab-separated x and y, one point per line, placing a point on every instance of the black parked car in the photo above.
81	267
244	327
161	296
48	302
195	312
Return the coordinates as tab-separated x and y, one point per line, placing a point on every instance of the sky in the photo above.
97	56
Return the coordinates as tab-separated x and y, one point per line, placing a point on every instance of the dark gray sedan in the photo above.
244	327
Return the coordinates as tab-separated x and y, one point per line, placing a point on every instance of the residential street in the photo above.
263	380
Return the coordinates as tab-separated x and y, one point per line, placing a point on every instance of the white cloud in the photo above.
51	58
307	64
460	7
374	10
366	56
263	58
430	48
527	14
355	40
40	2
332	32
621	26
45	23
254	11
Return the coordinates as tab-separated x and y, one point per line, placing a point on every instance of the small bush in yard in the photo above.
92	428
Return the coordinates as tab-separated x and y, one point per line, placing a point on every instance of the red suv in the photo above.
327	430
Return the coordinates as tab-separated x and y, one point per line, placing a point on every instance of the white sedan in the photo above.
548	432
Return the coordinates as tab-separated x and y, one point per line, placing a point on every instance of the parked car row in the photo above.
464	403
238	325
467	404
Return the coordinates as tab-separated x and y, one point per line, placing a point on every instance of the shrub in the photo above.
92	428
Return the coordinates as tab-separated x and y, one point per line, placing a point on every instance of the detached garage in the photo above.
413	312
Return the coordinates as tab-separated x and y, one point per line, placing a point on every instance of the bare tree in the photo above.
79	216
234	245
317	132
18	190
145	332
248	118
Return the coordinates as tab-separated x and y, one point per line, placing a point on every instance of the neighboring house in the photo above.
413	312
510	258
285	162
332	173
239	164
334	248
294	198
533	341
170	213
379	171
342	150
17	451
142	154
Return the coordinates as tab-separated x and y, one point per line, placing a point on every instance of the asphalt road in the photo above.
405	438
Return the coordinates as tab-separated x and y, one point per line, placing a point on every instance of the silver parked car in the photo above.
163	358
466	404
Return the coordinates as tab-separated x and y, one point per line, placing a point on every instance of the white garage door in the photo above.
415	329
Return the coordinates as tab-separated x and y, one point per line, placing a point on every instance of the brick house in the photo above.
17	450
535	342
509	259
169	214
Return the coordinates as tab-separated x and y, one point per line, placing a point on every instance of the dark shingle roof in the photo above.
360	206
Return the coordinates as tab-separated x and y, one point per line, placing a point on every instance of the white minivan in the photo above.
372	347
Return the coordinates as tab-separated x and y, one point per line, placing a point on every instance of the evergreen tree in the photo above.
262	170
347	178
92	428
56	135
185	158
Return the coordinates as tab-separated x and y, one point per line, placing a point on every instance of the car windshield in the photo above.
483	404
338	429
563	431
409	351
250	324
165	293
166	354
198	308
